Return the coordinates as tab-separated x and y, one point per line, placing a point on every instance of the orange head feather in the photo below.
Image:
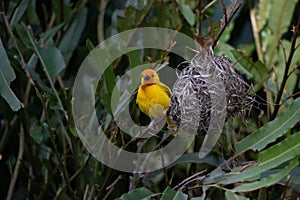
149	76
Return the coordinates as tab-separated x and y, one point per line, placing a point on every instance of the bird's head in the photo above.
149	76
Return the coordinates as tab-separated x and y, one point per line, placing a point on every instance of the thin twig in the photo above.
18	164
86	191
52	139
224	11
295	31
60	190
234	7
182	183
200	17
24	65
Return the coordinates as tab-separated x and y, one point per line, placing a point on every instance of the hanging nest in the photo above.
208	83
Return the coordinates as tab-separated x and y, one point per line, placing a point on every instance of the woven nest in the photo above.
204	85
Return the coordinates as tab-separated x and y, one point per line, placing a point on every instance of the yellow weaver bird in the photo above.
153	97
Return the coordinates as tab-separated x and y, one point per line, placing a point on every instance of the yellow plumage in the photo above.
153	97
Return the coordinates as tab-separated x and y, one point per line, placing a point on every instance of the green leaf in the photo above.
7	75
89	44
263	13
187	12
290	147
214	28
100	59
31	14
134	58
136	194
229	195
279	21
49	34
194	158
22	32
270	180
280	67
227	33
284	151
19	12
281	15
168	194
49	55
180	196
72	37
52	58
31	64
257	69
227	50
37	134
272	130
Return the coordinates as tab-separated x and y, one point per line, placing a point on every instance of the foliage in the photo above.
42	46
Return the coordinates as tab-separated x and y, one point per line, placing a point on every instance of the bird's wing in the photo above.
165	88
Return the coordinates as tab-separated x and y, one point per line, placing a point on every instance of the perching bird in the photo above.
153	97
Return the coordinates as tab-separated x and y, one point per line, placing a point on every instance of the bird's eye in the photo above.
152	75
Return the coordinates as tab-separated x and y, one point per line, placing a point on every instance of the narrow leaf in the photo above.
180	196
272	130
288	148
89	44
270	180
168	194
22	33
194	158
136	194
71	38
281	15
187	12
52	58
257	69
227	50
19	12
7	75
284	151
263	13
134	58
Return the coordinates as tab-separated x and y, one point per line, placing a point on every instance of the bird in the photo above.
153	97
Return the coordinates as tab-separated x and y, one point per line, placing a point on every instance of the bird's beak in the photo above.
146	77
